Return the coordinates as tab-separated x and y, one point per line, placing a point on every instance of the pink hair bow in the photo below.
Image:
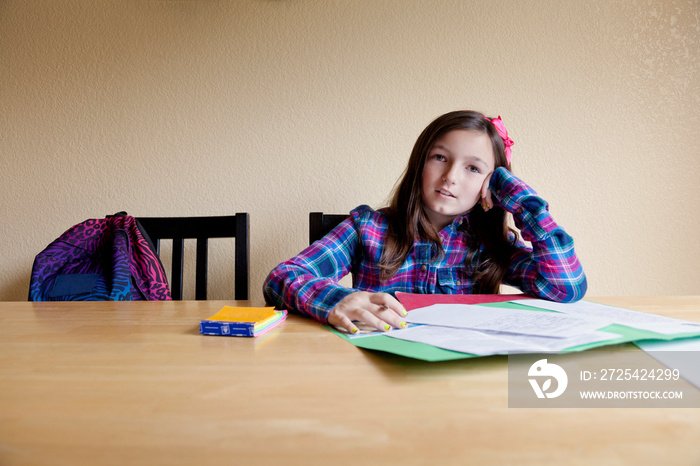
508	142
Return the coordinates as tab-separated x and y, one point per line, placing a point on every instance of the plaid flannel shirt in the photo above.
308	283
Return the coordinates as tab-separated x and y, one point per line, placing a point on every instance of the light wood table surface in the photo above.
134	383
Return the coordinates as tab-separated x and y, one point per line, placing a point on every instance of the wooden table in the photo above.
134	383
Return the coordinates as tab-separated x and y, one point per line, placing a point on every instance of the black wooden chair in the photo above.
202	228
321	224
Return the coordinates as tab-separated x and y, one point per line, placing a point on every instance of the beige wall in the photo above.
277	108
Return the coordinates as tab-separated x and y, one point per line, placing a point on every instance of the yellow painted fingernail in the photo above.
387	326
403	311
354	330
403	324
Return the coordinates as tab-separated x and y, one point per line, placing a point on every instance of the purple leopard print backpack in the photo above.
109	259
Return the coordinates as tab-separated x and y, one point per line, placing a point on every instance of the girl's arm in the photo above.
550	269
308	282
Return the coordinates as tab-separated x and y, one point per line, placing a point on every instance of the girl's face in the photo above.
454	173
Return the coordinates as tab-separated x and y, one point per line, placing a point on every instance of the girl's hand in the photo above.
486	200
379	310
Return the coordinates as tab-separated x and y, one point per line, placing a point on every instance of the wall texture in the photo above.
278	108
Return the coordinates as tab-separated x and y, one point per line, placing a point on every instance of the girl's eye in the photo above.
473	169
439	157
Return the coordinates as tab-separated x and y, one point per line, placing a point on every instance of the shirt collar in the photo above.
458	223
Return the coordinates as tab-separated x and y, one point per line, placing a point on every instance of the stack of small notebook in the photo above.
242	321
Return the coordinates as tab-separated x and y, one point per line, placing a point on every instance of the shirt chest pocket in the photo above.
453	280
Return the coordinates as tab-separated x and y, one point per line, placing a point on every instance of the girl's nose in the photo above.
450	176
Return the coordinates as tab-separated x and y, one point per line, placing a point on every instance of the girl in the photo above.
445	231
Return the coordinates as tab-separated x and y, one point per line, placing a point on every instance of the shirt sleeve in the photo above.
549	269
308	282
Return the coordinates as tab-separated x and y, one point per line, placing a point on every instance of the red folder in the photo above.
413	301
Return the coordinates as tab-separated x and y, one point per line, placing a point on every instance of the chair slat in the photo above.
201	272
178	264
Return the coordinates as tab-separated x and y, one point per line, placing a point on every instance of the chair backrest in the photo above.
202	228
321	224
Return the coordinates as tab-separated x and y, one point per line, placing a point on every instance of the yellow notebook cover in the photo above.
243	314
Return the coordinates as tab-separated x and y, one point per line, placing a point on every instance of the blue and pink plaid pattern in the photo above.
308	283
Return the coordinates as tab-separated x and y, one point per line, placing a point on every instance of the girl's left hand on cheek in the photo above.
486	200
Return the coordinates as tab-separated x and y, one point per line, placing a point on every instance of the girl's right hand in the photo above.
379	310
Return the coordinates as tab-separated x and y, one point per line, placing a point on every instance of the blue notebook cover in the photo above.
242	322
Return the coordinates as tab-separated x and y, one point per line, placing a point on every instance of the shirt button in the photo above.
459	282
423	268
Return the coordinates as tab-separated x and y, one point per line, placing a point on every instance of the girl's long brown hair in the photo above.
408	221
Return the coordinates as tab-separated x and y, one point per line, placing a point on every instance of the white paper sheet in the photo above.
459	339
487	343
683	355
614	315
527	322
